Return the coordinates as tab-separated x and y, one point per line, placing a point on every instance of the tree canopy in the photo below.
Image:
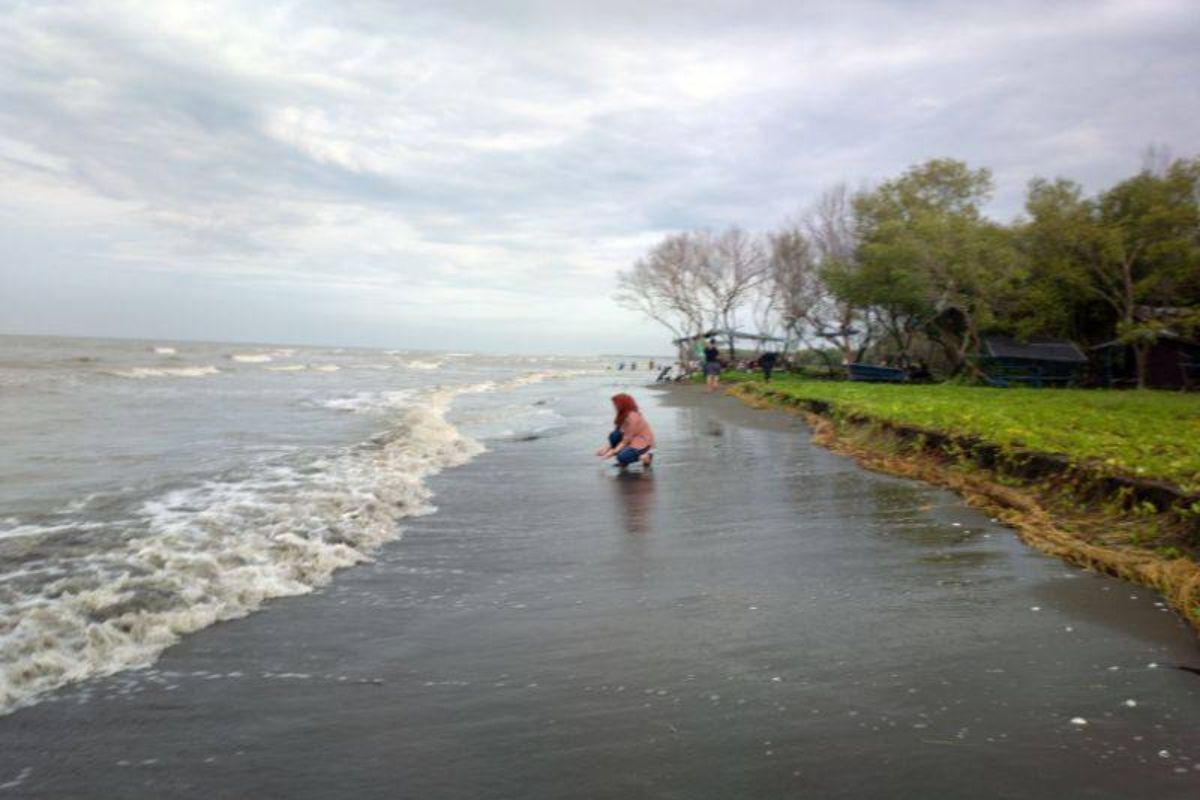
913	269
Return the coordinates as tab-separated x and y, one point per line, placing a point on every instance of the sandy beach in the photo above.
756	617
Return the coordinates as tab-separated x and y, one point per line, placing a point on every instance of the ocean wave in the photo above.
422	364
513	422
164	351
165	372
362	402
301	367
218	550
251	358
546	375
20	529
384	401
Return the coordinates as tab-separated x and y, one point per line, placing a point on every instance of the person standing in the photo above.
712	365
767	362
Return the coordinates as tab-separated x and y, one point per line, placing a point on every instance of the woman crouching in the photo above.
631	438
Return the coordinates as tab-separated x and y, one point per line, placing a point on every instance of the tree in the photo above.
1135	249
928	260
832	228
1057	241
1148	251
796	287
734	266
667	285
765	312
822	240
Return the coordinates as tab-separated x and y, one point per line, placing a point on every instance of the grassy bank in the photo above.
1145	434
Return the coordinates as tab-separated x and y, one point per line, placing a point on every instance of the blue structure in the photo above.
874	373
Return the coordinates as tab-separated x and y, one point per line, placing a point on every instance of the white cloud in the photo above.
483	165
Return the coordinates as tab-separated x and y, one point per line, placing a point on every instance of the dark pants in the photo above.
766	368
626	455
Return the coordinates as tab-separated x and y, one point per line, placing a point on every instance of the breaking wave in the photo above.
166	372
250	358
420	364
115	598
381	401
371	401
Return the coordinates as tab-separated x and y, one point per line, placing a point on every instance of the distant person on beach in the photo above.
767	362
712	365
632	437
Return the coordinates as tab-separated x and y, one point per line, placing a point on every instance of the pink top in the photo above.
637	431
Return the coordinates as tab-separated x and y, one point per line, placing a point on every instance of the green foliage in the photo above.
1058	241
1147	434
1145	509
931	268
928	261
1097	264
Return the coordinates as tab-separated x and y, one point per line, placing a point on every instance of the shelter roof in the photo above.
1164	336
1035	350
725	333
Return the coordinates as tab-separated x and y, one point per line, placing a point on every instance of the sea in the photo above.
149	489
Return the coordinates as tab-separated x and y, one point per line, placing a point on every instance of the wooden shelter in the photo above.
1039	362
1173	362
726	336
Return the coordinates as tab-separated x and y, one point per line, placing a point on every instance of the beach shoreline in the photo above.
755	616
1009	490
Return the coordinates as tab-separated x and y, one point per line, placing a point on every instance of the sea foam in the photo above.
166	372
218	550
423	364
365	402
251	358
385	401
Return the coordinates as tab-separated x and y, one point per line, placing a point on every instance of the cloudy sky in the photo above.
471	175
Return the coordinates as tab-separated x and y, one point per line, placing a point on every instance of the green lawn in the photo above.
1147	433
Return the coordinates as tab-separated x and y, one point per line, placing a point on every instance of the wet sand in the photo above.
756	617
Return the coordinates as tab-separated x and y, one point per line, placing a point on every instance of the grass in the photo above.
1149	434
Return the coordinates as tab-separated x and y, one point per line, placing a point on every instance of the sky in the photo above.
473	175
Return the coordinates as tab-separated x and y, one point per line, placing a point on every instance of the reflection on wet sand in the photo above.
635	496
